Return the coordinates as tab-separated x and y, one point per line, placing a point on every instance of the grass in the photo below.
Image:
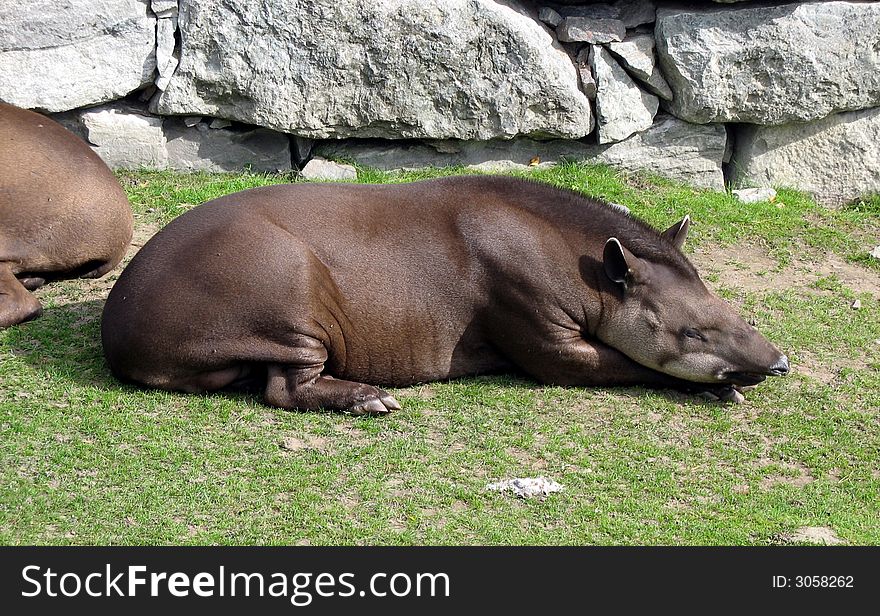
86	460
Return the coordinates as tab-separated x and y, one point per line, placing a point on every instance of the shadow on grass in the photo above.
65	342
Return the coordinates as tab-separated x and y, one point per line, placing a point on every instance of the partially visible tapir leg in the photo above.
32	283
303	387
17	305
566	358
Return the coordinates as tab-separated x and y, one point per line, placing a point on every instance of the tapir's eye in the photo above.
694	333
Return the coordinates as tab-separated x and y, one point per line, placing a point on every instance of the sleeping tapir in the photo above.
62	212
320	293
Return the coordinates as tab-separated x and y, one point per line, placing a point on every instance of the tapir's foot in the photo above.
378	403
727	393
286	388
16	304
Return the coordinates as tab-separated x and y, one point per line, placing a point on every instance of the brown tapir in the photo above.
318	292
62	212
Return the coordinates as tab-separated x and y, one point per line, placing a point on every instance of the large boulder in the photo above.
770	64
465	69
56	56
690	153
836	158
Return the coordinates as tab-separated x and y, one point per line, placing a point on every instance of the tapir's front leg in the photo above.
16	304
564	357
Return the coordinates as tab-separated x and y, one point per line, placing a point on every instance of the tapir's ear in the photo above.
678	232
618	261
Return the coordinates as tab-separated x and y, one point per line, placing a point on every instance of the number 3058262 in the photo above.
823	581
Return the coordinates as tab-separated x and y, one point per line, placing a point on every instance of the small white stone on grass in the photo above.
856	304
876	252
526	487
755	195
322	169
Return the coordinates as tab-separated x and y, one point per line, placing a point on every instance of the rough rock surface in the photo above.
127	137
635	13
588	82
770	64
201	148
549	16
468	69
836	158
622	108
636	55
590	30
167	55
672	148
57	56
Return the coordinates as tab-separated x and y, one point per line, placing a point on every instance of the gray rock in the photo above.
589	30
219	123
321	169
671	148
469	69
876	252
588	82
56	56
549	16
754	195
836	159
598	10
636	55
167	54
127	137
770	64
163	8
634	13
202	149
622	108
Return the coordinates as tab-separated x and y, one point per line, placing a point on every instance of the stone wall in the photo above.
744	93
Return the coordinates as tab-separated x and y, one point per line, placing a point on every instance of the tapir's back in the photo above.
60	205
391	278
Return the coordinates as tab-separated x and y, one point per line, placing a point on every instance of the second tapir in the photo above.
322	293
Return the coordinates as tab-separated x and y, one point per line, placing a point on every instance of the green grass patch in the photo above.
88	460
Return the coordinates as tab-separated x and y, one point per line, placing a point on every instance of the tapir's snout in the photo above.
780	368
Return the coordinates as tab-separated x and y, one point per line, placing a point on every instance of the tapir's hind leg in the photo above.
303	387
16	304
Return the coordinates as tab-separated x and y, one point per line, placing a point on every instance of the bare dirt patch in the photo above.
751	268
309	441
859	279
820	535
797	475
743	266
827	371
